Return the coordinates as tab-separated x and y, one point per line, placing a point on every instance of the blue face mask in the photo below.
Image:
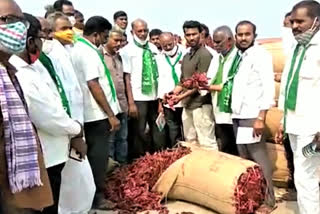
13	37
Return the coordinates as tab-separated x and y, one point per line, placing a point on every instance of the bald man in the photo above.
24	184
142	84
224	44
169	67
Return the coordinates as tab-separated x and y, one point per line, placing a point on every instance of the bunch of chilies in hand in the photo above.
198	81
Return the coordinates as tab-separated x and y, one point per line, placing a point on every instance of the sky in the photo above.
169	15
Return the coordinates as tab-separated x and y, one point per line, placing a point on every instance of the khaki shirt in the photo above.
114	64
196	61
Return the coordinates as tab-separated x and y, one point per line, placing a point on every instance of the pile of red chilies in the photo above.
250	191
198	79
130	186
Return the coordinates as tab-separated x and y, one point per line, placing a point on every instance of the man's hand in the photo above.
114	123
176	98
279	135
258	127
80	146
133	110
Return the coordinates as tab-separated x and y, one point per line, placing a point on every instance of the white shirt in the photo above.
132	63
166	82
46	112
288	40
62	63
305	119
88	66
220	117
253	86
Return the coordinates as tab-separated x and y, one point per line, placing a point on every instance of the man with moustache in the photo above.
219	72
197	116
299	86
169	66
142	84
248	94
118	140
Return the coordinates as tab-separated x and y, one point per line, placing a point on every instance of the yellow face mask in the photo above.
65	35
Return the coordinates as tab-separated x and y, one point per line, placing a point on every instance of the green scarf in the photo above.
106	70
149	70
46	62
291	90
224	97
173	69
219	76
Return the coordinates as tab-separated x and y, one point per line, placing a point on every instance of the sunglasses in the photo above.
9	19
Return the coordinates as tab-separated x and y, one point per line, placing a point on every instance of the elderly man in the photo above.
197	116
26	188
219	72
169	66
139	62
299	86
55	50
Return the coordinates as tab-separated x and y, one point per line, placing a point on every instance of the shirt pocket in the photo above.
310	69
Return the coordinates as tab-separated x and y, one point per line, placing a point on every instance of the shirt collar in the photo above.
315	39
18	62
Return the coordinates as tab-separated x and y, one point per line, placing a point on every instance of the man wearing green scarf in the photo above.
139	62
169	64
100	101
220	70
300	104
252	87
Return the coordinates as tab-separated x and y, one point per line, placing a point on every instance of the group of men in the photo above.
73	93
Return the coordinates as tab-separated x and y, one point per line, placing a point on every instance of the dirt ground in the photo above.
176	207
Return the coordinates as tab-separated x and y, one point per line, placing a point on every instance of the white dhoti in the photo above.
77	188
306	175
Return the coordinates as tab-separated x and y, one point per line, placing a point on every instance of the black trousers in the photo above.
174	125
225	134
146	142
97	134
54	174
289	156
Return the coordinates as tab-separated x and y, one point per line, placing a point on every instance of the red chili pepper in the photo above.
130	186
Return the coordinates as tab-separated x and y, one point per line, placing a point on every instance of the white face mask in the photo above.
47	46
72	20
171	52
141	42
